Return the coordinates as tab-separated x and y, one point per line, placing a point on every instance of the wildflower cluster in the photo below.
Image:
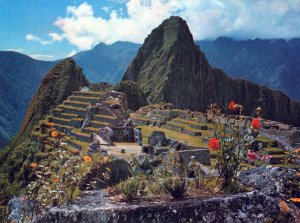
232	139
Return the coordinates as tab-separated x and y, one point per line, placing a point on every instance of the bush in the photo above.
129	187
175	186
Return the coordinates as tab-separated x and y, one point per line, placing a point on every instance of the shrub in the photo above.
176	186
232	141
129	187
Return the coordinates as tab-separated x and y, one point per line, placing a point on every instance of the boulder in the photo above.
270	180
252	207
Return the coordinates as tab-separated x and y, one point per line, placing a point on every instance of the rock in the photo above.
94	206
149	149
16	208
119	170
269	180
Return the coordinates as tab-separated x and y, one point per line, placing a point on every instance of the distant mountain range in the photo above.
274	63
20	77
106	63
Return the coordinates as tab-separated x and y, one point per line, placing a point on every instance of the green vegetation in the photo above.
192	140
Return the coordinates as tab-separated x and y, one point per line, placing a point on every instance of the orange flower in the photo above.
232	106
255	123
87	159
55	180
283	207
33	165
49	124
295	199
213	144
298	174
54	134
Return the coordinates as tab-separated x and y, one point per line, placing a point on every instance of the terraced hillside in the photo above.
73	123
195	129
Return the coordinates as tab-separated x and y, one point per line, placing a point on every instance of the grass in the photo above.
105	116
82	97
187	127
192	140
60	119
100	93
188	121
71	107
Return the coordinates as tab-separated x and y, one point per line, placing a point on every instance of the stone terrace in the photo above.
67	119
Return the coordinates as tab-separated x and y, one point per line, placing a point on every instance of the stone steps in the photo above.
60	121
105	118
189	123
81	136
92	100
73	110
88	93
90	130
76	104
159	118
96	124
67	116
182	129
75	122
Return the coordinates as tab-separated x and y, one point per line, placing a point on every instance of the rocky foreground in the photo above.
268	203
94	206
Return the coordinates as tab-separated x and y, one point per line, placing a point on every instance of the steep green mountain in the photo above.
106	63
273	63
56	86
135	96
20	76
169	67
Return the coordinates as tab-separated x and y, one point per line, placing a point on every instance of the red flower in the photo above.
251	155
213	144
267	157
255	123
232	106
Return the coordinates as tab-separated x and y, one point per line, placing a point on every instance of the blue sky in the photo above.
52	29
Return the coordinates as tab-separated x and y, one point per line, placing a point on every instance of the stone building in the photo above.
158	138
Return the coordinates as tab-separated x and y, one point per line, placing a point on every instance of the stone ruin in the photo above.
158	138
124	133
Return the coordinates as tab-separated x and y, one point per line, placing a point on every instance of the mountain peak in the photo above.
170	68
57	85
167	46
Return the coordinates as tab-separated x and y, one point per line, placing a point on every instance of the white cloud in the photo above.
34	38
54	38
206	19
15	50
41	56
72	53
105	8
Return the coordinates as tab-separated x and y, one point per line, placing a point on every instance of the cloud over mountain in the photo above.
207	19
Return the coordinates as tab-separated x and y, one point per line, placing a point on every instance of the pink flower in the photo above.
252	155
267	157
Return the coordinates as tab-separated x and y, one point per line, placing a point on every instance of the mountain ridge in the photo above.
179	73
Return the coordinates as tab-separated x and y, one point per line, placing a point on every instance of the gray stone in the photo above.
94	207
267	179
201	155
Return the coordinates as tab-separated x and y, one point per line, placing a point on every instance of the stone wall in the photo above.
94	207
201	155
